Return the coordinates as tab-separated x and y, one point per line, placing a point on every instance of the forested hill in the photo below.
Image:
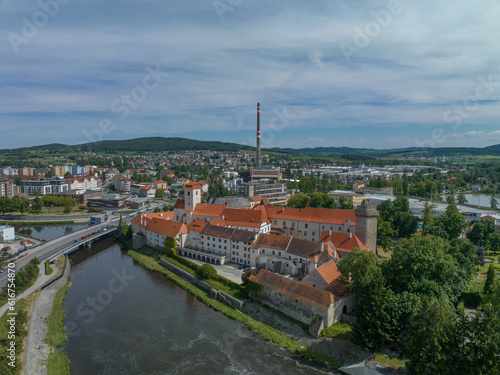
161	144
141	145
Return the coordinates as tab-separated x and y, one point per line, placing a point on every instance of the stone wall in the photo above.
214	293
295	309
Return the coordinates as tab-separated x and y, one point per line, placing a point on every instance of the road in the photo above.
51	248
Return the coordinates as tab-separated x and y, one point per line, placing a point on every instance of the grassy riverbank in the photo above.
20	331
58	362
270	334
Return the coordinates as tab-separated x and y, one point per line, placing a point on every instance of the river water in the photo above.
48	232
124	319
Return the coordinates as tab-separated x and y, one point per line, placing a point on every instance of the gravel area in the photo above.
37	351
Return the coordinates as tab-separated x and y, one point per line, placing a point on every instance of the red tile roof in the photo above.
311	214
192	185
210	210
329	271
294	289
291	245
167	228
342	241
143	219
180	204
244	218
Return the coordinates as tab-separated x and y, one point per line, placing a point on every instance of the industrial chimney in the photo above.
257	161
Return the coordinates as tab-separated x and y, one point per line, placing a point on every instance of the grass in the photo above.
21	332
48	268
270	334
389	361
56	334
58	364
338	330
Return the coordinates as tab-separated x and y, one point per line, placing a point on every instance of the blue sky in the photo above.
374	74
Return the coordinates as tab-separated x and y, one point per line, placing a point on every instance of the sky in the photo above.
369	74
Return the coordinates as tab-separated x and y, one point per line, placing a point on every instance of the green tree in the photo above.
490	279
159	193
68	205
493	241
36	205
453	221
299	201
428	215
480	232
461	199
428	337
384	234
493	202
206	271
423	266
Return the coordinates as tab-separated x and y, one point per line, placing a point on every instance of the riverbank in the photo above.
47	329
269	333
20	223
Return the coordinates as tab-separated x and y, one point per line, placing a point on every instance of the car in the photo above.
2	270
84	237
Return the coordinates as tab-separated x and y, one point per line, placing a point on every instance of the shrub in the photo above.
206	271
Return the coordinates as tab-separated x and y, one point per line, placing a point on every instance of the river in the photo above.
124	319
48	232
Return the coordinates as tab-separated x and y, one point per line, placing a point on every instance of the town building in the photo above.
275	192
108	202
353	197
44	186
6	188
7	232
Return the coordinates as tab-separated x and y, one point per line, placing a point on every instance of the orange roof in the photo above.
244	218
207	209
197	225
294	289
192	185
143	219
167	228
295	246
328	271
203	182
311	214
342	241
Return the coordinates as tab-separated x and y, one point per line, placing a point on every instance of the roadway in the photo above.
59	245
50	249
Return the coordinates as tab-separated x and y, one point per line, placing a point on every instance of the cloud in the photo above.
422	63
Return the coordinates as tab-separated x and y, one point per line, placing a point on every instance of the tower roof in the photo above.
192	185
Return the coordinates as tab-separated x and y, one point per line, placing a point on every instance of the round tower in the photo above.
366	224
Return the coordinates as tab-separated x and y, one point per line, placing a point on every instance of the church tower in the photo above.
192	195
366	224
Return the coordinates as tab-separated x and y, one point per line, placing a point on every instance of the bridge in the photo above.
69	243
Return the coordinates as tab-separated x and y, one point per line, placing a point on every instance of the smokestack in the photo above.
257	161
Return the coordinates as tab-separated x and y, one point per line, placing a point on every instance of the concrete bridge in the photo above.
69	243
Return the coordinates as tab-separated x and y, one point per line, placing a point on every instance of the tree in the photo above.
159	193
68	205
206	271
493	241
450	198
422	265
480	232
490	279
453	221
157	209
493	202
374	322
36	205
170	245
428	215
461	199
299	201
246	275
384	234
428	337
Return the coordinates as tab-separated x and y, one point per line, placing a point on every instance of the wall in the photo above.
215	294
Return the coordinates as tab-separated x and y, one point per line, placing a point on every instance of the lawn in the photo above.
338	330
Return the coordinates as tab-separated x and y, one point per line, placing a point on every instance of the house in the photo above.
7	232
343	243
158	229
303	302
140	221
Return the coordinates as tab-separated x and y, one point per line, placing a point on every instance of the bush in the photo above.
206	272
48	268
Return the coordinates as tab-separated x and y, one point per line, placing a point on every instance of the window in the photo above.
340	228
275	222
219	247
225	241
202	236
225	247
293	224
306	225
279	253
348	230
273	252
221	240
305	233
331	228
313	233
234	246
263	251
284	223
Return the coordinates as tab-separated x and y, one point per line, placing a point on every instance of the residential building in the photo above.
7	232
275	192
44	186
268	174
354	197
108	202
157	231
6	189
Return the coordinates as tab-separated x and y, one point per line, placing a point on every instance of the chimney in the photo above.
330	232
257	160
350	234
